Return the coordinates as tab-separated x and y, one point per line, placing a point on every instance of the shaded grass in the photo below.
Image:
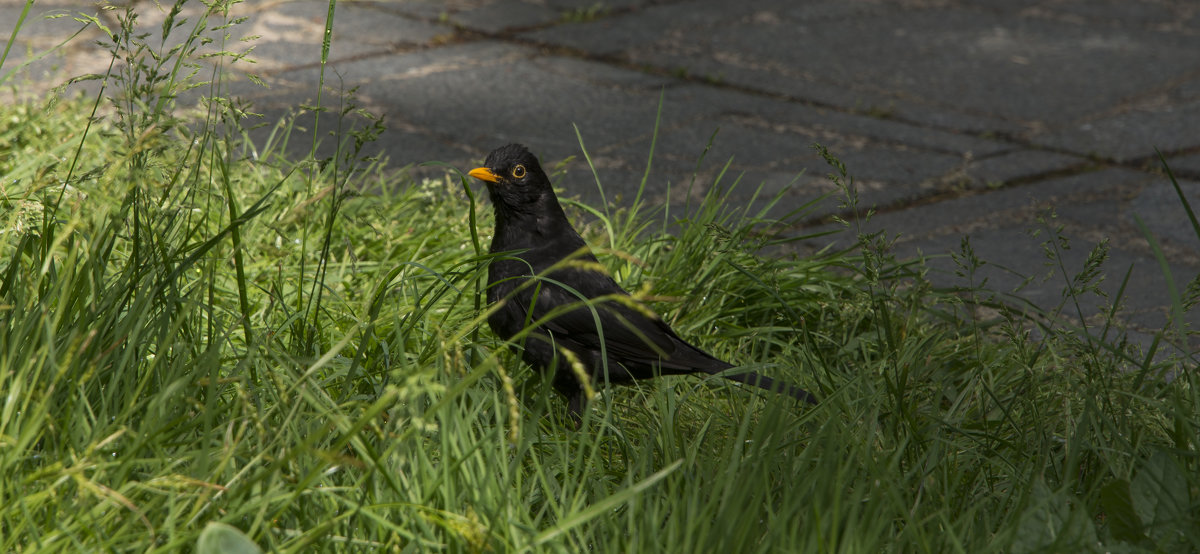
195	328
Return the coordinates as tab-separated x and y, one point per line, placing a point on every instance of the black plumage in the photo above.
636	343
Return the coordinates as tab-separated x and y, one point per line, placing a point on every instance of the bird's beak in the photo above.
484	174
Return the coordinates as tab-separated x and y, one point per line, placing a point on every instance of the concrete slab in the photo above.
779	114
1185	164
1161	210
1020	206
1017	166
1133	133
1142	308
1031	70
289	34
43	49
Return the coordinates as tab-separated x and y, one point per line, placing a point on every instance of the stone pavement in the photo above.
955	116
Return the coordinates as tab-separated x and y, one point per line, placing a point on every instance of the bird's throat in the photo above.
526	220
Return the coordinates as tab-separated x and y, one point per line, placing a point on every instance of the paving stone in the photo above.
452	94
1140	12
1133	134
605	75
887	173
1098	204
1018	165
1003	6
46	26
825	122
537	106
815	12
1188	89
1017	263
506	14
1025	69
498	16
630	32
1163	213
424	9
289	34
1005	231
1014	206
1189	163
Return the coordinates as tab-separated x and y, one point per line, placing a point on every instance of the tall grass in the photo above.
195	328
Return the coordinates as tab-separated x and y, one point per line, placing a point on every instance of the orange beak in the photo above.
484	174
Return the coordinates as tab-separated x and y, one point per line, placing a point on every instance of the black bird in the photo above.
635	343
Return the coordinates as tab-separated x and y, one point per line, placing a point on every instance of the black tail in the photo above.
767	383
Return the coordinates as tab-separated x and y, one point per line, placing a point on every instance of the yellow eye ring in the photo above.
518	171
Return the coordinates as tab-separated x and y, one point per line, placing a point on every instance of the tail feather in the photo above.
767	383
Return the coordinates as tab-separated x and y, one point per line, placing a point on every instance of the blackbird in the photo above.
609	333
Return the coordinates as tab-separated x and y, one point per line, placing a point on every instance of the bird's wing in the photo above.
629	333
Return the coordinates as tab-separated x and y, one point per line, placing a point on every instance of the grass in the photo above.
202	336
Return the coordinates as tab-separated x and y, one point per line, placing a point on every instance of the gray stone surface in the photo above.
1132	132
1058	71
293	28
956	117
1187	163
41	55
1159	208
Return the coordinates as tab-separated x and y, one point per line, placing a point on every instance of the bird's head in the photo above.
515	179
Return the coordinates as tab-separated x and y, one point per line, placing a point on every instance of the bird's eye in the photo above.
518	171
